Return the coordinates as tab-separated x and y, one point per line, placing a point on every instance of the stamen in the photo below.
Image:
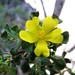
41	34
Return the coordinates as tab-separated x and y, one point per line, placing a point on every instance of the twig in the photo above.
58	7
71	49
43	8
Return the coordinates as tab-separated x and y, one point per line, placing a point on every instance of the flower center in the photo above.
41	34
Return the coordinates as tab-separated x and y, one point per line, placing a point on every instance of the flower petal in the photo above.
55	36
28	36
41	48
33	25
49	24
58	39
46	52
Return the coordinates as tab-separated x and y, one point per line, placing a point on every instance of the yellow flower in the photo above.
40	35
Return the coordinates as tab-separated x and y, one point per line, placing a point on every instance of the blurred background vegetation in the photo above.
13	12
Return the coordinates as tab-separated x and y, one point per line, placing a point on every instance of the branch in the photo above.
58	7
71	49
43	8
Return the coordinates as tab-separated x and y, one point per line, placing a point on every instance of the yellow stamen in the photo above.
41	34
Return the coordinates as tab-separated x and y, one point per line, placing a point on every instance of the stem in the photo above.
58	7
43	8
71	49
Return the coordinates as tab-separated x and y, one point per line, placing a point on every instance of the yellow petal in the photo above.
55	32
46	52
55	36
58	39
28	36
49	24
41	49
33	25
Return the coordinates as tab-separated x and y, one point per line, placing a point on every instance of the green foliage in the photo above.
27	46
59	62
23	51
4	68
25	66
34	14
66	37
4	35
10	35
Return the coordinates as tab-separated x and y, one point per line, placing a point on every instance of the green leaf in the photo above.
9	31
54	16
13	69
4	36
33	14
66	37
32	56
53	71
59	62
15	28
60	21
45	61
17	59
7	28
27	46
25	66
13	51
38	61
15	31
42	61
53	46
12	32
